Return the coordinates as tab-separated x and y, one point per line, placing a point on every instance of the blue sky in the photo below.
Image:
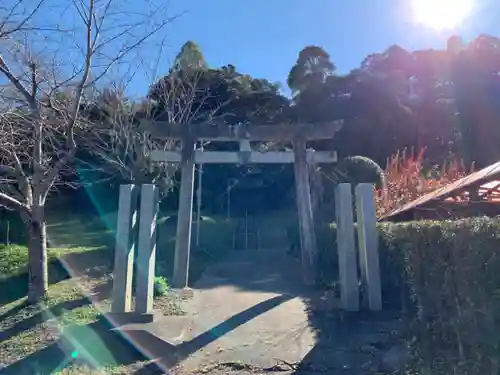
263	37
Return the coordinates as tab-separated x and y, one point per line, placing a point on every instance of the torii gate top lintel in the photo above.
225	132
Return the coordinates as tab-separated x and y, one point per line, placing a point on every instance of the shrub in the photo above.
360	169
160	286
452	271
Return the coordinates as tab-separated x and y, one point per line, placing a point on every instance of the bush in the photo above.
360	169
452	270
160	286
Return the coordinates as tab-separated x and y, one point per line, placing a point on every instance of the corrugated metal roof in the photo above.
484	175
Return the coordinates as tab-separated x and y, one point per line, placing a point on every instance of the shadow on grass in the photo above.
92	263
42	316
16	287
96	345
14	310
46	313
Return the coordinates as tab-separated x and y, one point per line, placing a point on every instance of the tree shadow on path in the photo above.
101	344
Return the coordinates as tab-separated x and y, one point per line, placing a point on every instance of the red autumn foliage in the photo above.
406	179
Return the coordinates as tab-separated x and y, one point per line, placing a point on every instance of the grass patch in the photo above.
82	247
14	258
24	329
79	369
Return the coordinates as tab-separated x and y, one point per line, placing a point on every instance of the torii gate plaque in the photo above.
189	134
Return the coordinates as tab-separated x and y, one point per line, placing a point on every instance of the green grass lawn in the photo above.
31	335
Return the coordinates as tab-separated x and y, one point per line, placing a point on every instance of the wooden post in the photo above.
348	269
185	216
368	245
146	253
124	248
316	190
305	212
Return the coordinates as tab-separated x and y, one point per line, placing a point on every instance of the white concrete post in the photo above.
126	231
146	252
348	271
368	245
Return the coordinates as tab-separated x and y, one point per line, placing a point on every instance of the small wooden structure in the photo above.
472	195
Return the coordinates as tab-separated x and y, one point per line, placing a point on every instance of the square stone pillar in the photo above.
348	268
126	230
146	252
368	245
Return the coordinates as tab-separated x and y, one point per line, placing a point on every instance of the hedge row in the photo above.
450	270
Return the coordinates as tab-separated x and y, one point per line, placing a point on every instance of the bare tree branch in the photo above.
9	24
46	79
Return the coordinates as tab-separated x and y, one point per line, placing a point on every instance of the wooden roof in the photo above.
487	180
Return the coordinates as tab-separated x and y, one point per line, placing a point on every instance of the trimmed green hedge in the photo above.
446	274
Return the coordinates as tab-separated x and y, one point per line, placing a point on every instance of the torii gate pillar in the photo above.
184	215
305	212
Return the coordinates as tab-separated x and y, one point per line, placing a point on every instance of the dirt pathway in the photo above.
250	309
251	314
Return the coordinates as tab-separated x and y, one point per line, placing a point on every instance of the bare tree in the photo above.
17	16
45	74
125	145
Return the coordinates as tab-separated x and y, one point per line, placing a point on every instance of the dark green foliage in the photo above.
451	271
360	169
223	93
160	286
313	66
189	57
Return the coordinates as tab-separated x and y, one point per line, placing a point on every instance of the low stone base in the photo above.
120	319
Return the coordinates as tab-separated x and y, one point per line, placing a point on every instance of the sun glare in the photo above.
441	14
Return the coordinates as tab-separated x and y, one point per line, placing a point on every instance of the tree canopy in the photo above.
189	57
444	101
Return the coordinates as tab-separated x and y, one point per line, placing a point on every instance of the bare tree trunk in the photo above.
37	256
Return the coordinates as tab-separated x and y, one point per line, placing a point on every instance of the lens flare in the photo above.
441	14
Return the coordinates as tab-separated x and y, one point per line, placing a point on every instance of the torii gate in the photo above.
189	134
187	156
